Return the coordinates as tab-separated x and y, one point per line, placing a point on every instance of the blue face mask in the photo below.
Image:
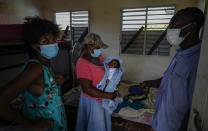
96	53
49	51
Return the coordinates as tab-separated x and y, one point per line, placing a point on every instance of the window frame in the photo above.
70	26
56	16
88	10
145	29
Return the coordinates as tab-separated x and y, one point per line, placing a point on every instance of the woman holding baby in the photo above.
90	71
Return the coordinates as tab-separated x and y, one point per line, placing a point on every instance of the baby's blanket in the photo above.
108	104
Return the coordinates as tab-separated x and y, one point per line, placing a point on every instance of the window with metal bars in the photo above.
142	27
78	22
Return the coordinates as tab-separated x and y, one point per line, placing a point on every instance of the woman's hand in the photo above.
59	79
40	125
118	85
112	95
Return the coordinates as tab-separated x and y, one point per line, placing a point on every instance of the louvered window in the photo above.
77	22
141	27
63	19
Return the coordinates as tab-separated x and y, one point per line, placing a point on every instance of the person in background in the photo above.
176	87
42	106
90	71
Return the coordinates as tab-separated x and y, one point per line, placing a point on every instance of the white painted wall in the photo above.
201	4
105	19
13	11
200	97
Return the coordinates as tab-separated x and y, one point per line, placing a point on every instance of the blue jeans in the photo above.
92	116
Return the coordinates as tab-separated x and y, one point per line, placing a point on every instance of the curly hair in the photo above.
34	28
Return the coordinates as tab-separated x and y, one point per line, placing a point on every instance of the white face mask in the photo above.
111	72
173	35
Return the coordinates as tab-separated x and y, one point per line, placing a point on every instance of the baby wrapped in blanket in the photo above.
112	77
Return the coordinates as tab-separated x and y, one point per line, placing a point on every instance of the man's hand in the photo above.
59	79
151	83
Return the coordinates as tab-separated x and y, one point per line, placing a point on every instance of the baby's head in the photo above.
114	64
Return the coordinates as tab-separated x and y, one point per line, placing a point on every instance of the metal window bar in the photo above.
80	19
132	39
160	22
137	19
145	33
80	22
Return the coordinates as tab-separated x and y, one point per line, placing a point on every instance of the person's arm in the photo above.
94	92
151	83
145	85
8	93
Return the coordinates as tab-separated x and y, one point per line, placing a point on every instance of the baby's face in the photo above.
113	64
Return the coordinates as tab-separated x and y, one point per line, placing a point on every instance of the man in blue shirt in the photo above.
176	87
